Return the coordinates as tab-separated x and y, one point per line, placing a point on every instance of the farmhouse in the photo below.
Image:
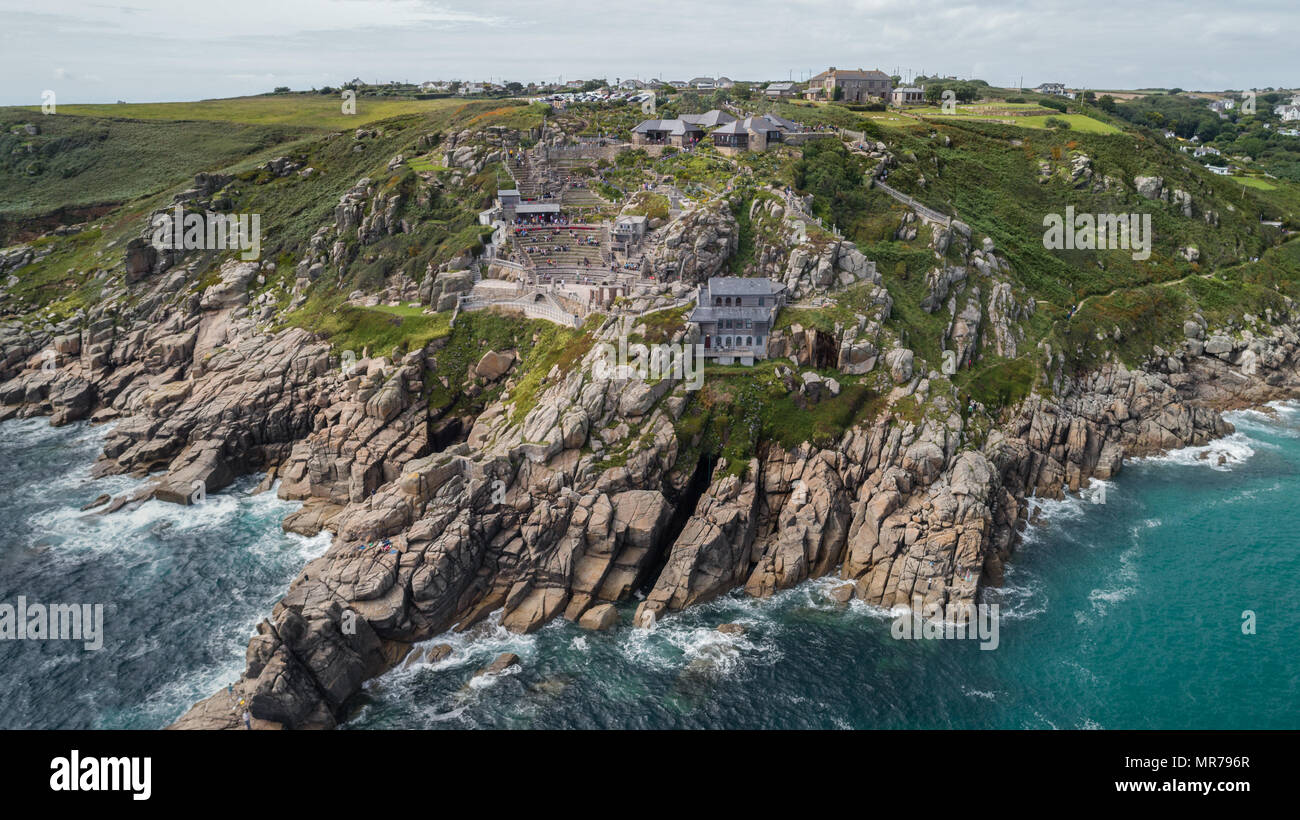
780	90
850	86
1052	89
735	316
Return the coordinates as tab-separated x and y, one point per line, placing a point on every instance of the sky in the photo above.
186	50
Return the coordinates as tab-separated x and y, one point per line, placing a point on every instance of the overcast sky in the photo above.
185	50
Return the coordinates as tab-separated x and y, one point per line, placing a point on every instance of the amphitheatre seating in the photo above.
559	246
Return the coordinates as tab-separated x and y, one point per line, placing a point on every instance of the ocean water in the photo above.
182	587
1122	609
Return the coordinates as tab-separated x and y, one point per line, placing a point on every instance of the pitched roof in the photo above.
676	127
744	285
843	74
767	122
708	119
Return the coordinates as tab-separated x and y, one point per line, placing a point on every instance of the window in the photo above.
749	323
749	340
717	301
727	301
737	301
760	301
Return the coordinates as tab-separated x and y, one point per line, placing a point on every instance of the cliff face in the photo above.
581	500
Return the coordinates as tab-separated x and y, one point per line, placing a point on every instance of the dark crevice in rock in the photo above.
684	504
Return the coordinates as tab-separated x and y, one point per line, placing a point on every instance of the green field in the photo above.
1001	113
1255	182
306	110
1078	122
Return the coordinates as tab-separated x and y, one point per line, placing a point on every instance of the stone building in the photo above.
849	86
735	316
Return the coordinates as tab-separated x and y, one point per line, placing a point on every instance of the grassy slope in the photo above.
79	161
304	110
291	207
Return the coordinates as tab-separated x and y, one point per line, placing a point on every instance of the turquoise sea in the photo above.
1124	608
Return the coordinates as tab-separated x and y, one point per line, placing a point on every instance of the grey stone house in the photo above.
852	86
735	316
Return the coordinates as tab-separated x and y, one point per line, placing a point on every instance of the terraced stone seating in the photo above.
561	246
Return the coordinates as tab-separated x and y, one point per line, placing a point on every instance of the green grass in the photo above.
739	408
320	111
425	165
79	161
1254	182
379	329
1078	122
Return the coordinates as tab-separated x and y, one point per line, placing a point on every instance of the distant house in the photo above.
1222	105
632	85
724	82
850	86
678	133
780	90
1217	169
752	134
1206	150
703	83
1289	132
677	83
735	315
471	88
1052	89
910	95
1288	113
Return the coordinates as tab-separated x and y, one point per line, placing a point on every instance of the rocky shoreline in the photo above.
528	516
571	494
